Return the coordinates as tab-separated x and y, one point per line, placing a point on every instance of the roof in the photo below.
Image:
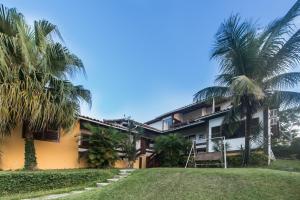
186	108
102	123
145	126
198	121
114	123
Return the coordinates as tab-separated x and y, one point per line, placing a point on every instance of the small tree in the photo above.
102	147
127	142
171	149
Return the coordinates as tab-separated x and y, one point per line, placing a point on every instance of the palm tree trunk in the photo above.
30	158
247	138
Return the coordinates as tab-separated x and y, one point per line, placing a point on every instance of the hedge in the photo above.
25	181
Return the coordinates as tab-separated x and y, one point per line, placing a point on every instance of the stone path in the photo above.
122	174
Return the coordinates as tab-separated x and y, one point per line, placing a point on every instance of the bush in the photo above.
171	149
102	147
282	151
295	147
286	151
256	159
25	181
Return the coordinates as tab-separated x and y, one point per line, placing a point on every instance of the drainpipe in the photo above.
213	105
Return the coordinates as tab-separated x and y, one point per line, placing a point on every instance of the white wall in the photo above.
157	125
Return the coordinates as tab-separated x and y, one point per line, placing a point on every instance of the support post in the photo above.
225	156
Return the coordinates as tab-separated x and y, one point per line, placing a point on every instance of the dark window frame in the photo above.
43	135
218	131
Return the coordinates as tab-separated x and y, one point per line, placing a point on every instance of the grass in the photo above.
286	165
206	184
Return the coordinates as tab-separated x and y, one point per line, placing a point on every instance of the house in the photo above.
202	122
57	149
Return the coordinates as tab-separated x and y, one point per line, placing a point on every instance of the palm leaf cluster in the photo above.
34	71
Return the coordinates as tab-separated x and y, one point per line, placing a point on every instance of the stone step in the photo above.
102	184
111	180
123	174
90	188
77	192
127	170
120	176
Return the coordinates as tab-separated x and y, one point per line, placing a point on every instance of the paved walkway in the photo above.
122	174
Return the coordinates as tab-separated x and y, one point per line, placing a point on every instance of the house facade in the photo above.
62	150
203	122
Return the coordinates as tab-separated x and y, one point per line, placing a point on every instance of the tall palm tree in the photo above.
34	85
257	67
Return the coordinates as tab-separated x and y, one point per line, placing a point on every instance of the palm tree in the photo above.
34	86
256	67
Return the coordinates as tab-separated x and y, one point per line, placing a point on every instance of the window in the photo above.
234	131
51	135
47	135
191	137
274	121
273	113
218	108
84	140
167	123
216	131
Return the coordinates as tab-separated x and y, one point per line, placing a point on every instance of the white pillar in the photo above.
225	155
269	137
213	105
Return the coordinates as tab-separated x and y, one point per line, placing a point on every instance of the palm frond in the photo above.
231	46
273	37
243	86
212	92
284	99
281	81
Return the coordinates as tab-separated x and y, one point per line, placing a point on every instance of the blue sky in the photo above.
144	57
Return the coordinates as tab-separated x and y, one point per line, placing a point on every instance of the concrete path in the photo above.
122	174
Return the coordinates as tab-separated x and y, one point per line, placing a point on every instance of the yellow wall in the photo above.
12	150
50	155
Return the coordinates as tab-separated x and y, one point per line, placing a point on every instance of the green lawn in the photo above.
287	165
206	184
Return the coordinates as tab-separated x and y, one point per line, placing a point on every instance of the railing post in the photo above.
225	156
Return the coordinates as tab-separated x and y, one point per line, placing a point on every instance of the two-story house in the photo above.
202	121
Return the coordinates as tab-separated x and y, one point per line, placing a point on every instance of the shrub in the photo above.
102	145
295	147
288	151
256	159
282	151
31	181
171	149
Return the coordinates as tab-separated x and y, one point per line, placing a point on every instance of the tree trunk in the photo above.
247	138
30	158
